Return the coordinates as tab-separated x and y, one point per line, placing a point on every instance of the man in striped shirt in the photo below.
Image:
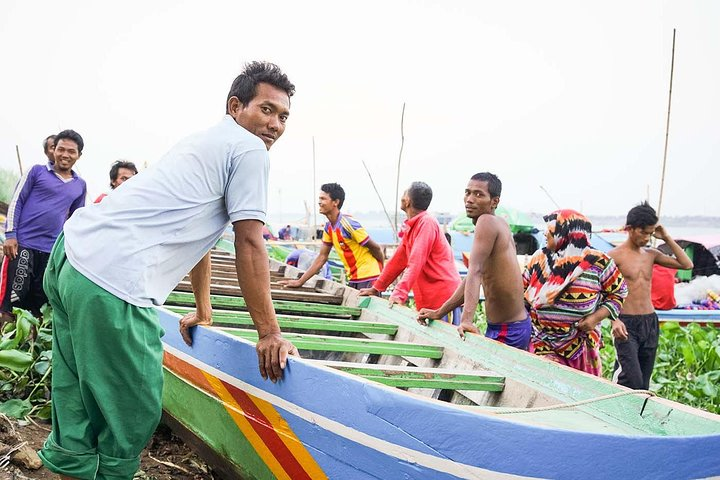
362	257
44	198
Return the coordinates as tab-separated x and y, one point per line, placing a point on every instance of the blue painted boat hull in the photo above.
356	429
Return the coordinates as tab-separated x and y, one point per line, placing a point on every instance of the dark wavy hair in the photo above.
335	191
642	215
244	87
117	165
71	135
494	183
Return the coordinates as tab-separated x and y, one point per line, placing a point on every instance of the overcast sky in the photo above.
571	96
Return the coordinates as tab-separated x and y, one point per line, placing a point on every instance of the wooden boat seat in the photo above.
229	318
348	344
277	293
416	377
282	306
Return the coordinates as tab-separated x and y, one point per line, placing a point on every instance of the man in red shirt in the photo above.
424	254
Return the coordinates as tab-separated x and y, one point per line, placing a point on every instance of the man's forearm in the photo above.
200	280
472	298
253	272
454	301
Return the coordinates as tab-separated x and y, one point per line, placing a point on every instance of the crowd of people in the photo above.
552	307
107	353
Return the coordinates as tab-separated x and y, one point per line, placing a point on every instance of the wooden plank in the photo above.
276	294
229	319
345	344
231	270
231	279
233	303
436	383
414	377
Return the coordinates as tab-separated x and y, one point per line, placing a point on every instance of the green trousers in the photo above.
106	376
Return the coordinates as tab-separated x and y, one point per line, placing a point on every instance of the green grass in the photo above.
687	366
25	365
8	180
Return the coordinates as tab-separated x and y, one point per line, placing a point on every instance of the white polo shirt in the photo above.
141	240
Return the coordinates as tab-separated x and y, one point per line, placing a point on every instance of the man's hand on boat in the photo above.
427	314
291	283
272	350
190	320
395	301
467	327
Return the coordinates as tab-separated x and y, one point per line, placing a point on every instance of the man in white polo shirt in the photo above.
116	260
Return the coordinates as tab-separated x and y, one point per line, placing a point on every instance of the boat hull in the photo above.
320	423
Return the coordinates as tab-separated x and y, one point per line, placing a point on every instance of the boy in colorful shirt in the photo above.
362	257
423	254
44	198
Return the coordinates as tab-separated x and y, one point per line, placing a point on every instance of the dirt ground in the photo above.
166	457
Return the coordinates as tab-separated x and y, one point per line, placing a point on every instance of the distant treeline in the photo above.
376	218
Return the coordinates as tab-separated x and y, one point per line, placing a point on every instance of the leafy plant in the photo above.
8	179
687	366
25	365
479	318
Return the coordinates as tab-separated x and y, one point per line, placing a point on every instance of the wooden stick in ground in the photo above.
397	181
392	225
314	227
667	127
17	151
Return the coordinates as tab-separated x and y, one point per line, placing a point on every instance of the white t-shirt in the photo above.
149	233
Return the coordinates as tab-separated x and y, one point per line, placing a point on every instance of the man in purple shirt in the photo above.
44	198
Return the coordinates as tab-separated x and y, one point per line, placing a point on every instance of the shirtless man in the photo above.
494	266
636	330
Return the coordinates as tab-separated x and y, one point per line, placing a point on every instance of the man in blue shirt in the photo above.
44	198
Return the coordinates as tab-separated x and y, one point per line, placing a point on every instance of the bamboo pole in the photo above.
17	151
314	227
667	127
397	180
551	198
392	225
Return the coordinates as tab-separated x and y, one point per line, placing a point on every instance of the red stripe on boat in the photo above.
267	433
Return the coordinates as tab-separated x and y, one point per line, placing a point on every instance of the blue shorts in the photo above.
514	334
